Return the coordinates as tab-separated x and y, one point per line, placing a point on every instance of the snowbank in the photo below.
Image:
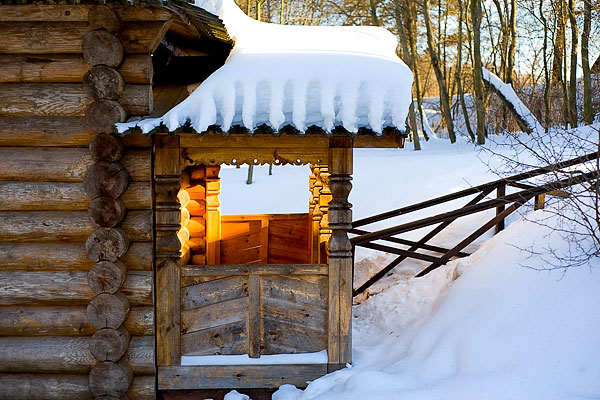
296	75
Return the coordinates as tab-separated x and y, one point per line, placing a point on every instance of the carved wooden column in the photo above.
167	247
213	215
324	199
314	211
340	254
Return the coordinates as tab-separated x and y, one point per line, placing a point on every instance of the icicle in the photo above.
349	96
327	105
276	116
249	104
299	105
228	94
375	115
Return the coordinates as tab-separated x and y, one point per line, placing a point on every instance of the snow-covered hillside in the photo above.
495	325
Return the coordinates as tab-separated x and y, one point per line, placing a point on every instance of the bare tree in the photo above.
444	100
477	72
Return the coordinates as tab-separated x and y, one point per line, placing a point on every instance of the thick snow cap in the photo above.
301	76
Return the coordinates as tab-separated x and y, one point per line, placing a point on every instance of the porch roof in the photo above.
304	78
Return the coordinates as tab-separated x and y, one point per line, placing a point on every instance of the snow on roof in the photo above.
301	76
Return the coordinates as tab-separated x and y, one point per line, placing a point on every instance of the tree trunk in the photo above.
477	73
409	61
444	101
461	94
513	43
547	82
588	112
412	34
573	77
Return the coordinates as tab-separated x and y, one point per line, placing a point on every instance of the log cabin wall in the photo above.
76	321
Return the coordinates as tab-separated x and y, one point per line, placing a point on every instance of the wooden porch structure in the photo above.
251	284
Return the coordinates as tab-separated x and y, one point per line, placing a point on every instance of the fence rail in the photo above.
505	204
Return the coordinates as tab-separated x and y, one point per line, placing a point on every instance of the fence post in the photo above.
500	192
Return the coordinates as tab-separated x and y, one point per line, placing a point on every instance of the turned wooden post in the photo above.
324	199
167	219
340	254
213	215
313	217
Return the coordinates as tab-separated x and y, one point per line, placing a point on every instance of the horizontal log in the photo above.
65	321
142	388
79	12
67	37
63	164
44	386
57	354
64	196
65	99
238	376
66	288
65	226
67	68
64	387
67	256
55	131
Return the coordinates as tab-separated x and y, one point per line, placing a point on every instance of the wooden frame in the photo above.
333	157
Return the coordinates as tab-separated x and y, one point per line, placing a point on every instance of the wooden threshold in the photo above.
237	376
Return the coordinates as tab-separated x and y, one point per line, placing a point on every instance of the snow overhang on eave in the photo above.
288	79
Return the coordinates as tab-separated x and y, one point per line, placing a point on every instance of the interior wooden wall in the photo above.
44	154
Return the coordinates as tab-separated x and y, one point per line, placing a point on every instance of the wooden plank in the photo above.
299	314
214	291
213	315
65	226
66	37
66	256
270	269
66	68
66	288
65	321
62	164
79	12
57	354
238	376
240	241
241	256
225	339
54	196
295	290
282	337
241	155
254	316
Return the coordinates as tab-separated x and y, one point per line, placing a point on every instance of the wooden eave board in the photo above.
307	141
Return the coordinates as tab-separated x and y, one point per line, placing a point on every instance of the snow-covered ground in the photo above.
494	325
